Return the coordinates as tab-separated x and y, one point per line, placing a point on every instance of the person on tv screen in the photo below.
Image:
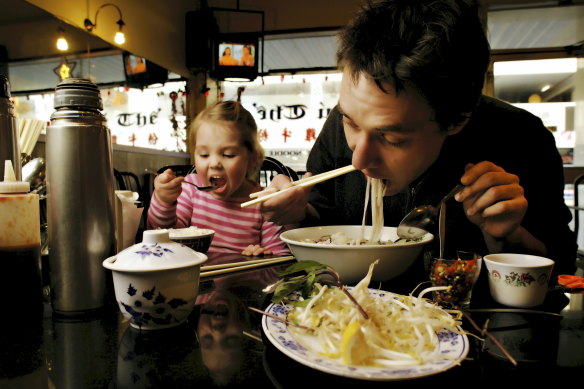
246	58
140	65
227	59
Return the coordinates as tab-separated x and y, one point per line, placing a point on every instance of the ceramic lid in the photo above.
156	252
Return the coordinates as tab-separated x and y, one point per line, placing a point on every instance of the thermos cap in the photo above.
5	87
77	92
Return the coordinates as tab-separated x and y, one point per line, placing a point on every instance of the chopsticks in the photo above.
308	181
211	270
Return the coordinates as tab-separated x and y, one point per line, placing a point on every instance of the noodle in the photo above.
375	190
367	192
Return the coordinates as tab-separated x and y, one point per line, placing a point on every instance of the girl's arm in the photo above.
270	238
185	203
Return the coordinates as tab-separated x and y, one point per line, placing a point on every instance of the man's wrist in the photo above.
311	216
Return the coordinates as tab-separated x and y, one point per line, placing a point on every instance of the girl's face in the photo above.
220	154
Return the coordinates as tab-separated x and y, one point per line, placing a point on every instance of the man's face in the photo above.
393	137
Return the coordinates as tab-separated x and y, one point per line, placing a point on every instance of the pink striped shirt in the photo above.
235	227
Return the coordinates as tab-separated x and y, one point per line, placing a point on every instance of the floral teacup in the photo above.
518	280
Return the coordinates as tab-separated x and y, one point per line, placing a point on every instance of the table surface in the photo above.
222	345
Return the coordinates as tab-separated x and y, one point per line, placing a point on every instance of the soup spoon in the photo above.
413	224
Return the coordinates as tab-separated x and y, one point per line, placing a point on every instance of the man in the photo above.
411	113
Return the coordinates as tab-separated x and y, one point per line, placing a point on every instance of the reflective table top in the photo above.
222	345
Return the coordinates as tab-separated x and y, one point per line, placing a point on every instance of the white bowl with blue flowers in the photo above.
156	282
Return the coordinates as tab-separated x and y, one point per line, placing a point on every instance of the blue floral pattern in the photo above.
152	307
154	249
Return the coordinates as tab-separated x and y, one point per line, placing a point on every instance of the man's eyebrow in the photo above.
394	128
388	128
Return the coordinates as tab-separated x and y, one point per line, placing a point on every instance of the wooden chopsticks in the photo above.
212	270
308	181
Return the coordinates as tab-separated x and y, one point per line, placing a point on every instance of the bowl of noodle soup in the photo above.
349	250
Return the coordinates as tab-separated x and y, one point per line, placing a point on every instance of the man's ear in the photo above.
454	129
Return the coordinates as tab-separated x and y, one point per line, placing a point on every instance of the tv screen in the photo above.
140	72
235	56
135	64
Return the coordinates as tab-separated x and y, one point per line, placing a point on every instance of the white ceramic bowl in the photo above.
352	262
156	281
198	239
518	280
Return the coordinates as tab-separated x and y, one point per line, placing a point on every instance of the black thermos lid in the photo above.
77	92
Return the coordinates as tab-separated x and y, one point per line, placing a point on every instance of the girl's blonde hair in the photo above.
233	114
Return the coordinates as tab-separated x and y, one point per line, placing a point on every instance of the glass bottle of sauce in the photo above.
20	247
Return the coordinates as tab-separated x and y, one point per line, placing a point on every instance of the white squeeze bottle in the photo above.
20	247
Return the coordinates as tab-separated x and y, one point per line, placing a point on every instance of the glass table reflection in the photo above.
222	345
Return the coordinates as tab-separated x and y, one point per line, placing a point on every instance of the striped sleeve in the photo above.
271	238
160	215
173	216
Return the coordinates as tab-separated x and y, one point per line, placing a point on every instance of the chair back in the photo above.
270	168
577	182
127	181
179	170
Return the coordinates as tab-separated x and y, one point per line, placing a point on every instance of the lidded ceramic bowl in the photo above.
156	281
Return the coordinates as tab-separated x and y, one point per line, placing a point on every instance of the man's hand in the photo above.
289	207
167	187
493	199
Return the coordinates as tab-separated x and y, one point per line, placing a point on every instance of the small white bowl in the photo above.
352	262
156	281
518	280
198	239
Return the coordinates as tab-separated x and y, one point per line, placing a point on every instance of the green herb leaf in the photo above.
287	287
302	303
307	266
308	286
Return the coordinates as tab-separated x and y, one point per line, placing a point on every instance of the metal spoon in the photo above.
413	224
203	188
215	183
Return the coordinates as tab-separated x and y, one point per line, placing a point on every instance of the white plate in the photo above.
454	345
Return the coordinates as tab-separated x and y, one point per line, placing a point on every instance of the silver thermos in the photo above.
80	199
9	140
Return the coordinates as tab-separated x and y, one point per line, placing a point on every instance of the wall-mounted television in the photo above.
235	56
141	72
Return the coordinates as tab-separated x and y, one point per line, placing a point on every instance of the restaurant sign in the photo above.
289	112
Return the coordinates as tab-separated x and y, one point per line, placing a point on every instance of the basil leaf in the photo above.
307	266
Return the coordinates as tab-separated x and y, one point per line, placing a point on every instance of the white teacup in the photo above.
518	280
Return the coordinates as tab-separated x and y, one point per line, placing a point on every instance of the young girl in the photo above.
227	154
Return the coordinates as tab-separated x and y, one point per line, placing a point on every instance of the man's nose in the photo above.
365	152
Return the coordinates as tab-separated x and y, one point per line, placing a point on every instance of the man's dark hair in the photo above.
437	47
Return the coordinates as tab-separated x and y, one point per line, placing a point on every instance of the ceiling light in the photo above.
62	43
119	38
538	66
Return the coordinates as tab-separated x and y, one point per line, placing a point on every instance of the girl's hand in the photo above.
167	187
255	250
493	199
